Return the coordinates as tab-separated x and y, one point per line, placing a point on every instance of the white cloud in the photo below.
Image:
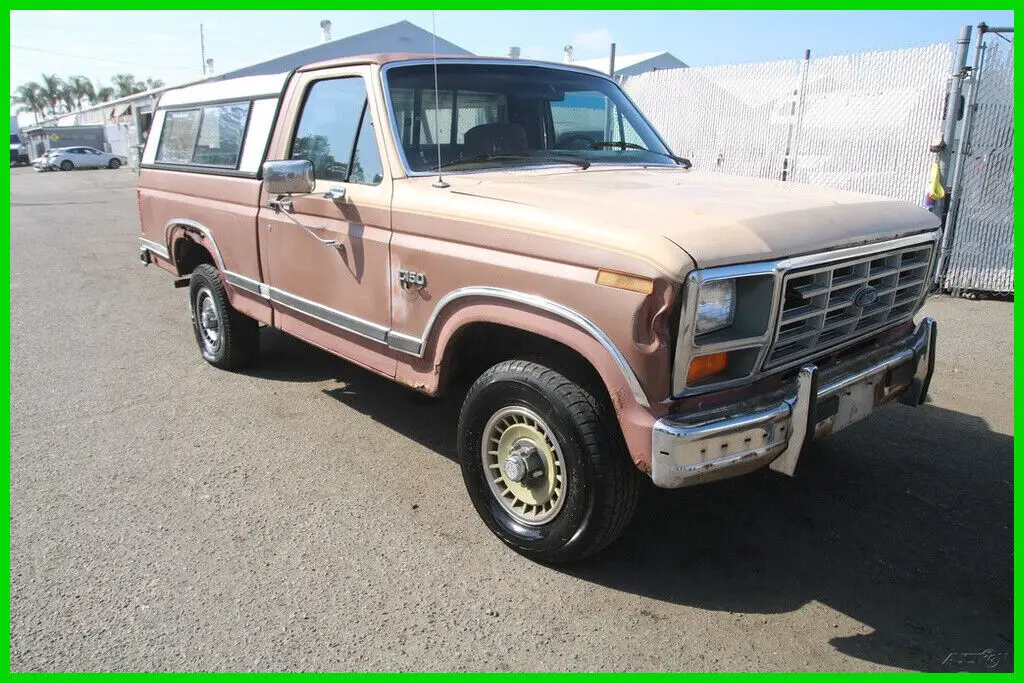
597	40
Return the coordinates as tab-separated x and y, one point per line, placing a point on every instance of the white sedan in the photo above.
70	158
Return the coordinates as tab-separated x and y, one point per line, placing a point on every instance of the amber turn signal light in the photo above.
633	283
706	366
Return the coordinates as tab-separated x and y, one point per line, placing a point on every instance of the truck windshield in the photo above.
496	116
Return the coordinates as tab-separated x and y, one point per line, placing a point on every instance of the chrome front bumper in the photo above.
773	428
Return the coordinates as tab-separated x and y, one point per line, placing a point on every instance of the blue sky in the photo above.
165	45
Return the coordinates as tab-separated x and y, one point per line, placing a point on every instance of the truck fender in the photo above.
554	322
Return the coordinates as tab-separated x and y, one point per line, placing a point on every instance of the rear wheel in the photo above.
544	462
226	338
66	165
114	163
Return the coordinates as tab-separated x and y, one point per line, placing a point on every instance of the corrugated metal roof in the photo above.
623	62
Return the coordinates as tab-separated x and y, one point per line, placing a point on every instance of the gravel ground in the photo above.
307	515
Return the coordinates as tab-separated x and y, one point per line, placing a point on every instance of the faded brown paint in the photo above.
543	232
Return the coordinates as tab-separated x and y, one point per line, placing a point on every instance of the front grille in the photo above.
824	306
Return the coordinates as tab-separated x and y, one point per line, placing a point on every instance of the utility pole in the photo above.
202	47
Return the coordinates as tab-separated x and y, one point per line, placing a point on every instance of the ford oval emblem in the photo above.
865	296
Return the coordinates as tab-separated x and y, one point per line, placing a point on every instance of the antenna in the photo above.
439	183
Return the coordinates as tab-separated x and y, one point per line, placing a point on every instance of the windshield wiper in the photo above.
682	161
576	161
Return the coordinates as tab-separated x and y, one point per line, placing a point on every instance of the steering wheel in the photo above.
574	140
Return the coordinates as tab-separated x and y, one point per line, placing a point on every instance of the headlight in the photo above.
716	306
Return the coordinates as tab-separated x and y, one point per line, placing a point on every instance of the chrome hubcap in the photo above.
209	324
523	464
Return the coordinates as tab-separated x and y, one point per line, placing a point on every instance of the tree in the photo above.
67	97
27	97
82	89
50	91
154	83
125	85
104	93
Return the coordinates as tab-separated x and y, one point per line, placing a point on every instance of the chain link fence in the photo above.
868	120
981	243
857	122
861	122
735	119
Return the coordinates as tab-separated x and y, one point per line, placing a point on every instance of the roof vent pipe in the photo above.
325	31
514	52
209	66
568	54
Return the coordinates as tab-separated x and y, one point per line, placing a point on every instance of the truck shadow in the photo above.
902	523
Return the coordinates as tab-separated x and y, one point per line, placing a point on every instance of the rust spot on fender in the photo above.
617	401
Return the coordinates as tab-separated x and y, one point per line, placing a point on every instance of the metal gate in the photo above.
979	239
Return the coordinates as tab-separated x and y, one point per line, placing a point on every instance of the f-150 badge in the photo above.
410	278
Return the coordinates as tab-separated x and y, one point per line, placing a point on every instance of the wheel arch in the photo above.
510	325
190	244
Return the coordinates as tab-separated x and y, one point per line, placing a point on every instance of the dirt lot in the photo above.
308	515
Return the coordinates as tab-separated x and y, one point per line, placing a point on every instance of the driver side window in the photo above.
585	117
335	133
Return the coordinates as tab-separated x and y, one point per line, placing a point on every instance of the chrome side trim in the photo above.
158	249
185	222
350	323
405	343
417	346
243	282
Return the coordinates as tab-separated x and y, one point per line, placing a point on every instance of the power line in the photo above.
102	59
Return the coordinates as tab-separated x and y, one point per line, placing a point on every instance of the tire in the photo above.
114	164
226	338
66	165
579	437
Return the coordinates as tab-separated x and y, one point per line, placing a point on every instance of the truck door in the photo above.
326	255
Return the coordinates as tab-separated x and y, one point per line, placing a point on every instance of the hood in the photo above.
717	219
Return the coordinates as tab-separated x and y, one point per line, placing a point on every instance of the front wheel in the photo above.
227	339
544	462
66	165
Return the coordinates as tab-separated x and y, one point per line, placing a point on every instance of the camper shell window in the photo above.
210	135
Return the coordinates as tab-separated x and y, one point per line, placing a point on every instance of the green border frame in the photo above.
638	5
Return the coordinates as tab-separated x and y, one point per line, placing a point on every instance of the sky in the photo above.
166	45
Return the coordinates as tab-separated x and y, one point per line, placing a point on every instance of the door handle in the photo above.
333	244
335	193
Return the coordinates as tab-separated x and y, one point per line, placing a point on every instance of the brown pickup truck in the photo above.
519	228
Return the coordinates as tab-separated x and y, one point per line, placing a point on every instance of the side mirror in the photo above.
293	176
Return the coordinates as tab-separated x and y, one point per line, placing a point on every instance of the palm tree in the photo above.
27	98
67	97
83	90
50	91
125	85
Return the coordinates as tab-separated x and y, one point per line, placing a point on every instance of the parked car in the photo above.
533	237
70	158
19	153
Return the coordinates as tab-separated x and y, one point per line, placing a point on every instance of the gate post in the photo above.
953	203
953	103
